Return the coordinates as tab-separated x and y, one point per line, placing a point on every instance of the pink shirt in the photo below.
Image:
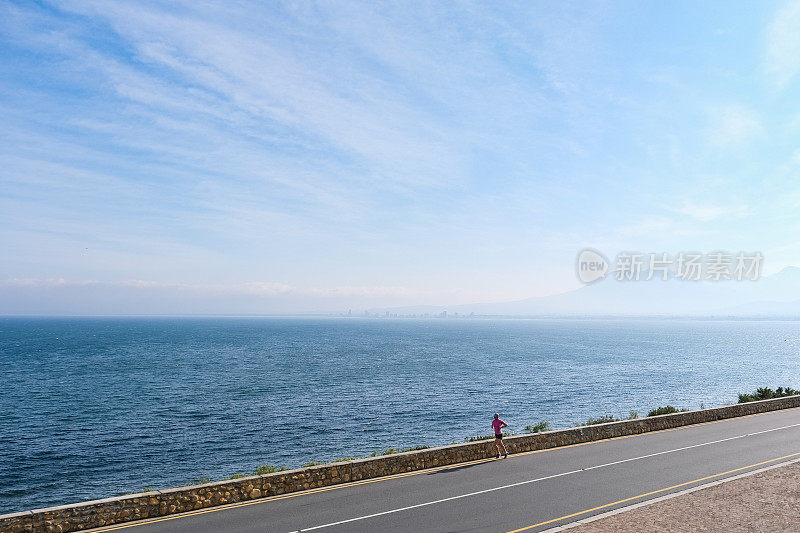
497	424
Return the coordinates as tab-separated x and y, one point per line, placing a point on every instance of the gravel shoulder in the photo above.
767	501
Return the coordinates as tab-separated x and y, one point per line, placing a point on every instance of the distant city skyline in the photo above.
284	158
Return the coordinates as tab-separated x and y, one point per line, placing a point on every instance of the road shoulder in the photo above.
767	500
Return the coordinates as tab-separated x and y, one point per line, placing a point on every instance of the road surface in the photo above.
530	491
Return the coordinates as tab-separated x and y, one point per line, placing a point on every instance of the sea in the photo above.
97	407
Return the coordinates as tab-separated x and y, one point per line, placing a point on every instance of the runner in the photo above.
498	426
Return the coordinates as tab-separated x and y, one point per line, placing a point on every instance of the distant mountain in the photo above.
778	294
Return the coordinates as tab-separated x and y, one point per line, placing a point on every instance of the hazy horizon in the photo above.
773	296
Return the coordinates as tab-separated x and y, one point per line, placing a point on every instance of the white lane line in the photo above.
440	501
665	498
451	498
690	447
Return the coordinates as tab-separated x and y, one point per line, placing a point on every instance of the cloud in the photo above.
339	115
782	61
253	288
733	126
709	212
301	93
30	282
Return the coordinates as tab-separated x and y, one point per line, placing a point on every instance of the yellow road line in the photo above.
652	492
408	474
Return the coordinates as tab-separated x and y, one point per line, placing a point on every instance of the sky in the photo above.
267	157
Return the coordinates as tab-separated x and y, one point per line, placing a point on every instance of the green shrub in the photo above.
665	410
313	463
202	480
764	393
393	450
268	469
633	415
599	420
538	427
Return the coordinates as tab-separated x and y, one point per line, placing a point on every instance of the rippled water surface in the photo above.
94	407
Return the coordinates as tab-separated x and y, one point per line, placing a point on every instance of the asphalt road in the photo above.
529	491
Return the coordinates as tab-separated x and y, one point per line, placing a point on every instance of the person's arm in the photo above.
504	425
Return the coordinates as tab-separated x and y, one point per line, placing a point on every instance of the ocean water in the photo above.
95	407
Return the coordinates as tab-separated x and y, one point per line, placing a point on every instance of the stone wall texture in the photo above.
110	511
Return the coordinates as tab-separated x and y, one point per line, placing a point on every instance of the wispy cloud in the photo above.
709	212
782	61
733	126
254	288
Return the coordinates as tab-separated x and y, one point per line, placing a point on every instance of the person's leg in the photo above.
503	446
497	444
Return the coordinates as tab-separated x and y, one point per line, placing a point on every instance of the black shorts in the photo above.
498	436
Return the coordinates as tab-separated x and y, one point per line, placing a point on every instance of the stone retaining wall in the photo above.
98	513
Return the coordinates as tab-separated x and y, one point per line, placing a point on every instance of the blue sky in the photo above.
323	156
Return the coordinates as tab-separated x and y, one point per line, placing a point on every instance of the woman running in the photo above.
498	426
